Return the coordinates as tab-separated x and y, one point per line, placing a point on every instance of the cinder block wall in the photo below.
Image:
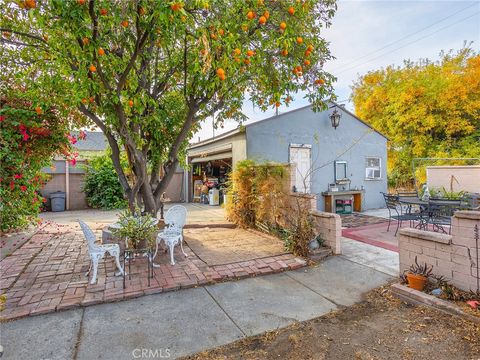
329	227
452	256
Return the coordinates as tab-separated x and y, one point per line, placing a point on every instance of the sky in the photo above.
368	35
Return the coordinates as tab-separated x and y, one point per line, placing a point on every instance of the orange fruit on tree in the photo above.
284	52
81	2
319	81
237	51
141	10
298	68
310	48
246	61
85	41
221	32
220	72
103	12
176	6
277	104
262	20
203	51
130	103
92	68
92	99
124	23
266	14
299	40
30	4
250	15
250	52
307	53
38	110
6	34
307	62
283	25
213	36
291	10
84	101
101	52
236	59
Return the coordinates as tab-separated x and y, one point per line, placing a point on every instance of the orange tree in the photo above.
427	109
148	72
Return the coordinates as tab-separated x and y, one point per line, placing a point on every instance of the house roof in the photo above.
238	130
95	141
216	138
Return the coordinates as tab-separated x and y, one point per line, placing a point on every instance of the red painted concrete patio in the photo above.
47	274
375	234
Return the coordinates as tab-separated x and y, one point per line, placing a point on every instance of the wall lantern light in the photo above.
335	118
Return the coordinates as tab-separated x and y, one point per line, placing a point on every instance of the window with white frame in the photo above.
373	168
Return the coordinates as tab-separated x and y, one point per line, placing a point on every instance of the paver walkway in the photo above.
46	274
191	320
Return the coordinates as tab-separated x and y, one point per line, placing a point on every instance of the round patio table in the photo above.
427	211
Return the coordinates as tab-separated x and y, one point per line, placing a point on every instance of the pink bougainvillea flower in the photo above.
34	200
23	188
72	139
82	135
25	136
12	185
2	118
44	201
73	162
18	176
22	128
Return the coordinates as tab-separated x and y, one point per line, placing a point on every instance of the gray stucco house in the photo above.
346	163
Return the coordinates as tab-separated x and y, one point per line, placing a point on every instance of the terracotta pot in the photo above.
416	282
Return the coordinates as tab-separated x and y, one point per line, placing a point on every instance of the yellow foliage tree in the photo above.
427	109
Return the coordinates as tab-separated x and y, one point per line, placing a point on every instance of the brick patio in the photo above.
46	274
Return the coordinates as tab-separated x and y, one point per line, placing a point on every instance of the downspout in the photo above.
186	180
67	185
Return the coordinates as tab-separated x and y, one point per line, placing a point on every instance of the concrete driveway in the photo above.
179	323
197	214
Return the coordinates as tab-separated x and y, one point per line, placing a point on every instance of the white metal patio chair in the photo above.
172	235
97	252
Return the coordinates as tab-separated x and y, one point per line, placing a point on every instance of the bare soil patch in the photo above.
381	327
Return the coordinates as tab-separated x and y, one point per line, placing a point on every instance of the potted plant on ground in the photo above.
137	230
417	276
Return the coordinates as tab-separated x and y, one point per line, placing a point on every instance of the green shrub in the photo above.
102	187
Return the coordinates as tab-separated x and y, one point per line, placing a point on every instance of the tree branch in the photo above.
113	145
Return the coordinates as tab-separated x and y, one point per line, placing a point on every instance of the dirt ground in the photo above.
381	327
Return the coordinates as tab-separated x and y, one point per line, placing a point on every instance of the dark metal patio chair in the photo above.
397	212
407	193
471	201
441	212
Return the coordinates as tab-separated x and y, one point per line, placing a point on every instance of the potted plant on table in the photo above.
417	276
137	230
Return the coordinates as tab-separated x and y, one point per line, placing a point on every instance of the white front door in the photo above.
301	156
